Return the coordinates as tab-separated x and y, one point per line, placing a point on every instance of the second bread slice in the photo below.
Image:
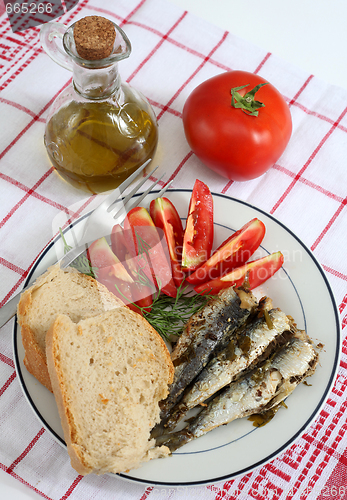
108	375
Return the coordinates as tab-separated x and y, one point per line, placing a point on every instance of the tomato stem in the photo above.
247	102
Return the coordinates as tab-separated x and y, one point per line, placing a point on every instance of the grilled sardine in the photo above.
256	392
204	332
247	347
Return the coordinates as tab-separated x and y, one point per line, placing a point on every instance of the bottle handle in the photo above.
50	34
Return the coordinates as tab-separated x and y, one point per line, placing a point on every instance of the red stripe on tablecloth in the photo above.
155	49
34	120
206	59
8	361
337	481
168	110
21	480
308	183
335	273
15	140
330	223
161	35
25	273
22	67
104	11
320	446
180	166
81	4
181	45
72	487
287	457
132	13
147	493
308	162
34	194
78	212
344	322
262	487
21	108
227	186
22	278
22	43
7	383
223	493
11	266
318	115
300	91
25	197
175	172
64	6
29	42
330	452
331	402
258	68
26	451
37	50
343	304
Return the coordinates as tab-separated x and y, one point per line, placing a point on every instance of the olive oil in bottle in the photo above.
98	145
99	130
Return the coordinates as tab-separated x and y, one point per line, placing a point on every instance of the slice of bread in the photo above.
64	291
108	375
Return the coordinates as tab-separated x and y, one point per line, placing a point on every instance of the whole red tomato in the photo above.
229	140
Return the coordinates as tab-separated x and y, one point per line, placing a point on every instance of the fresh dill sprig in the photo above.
81	263
169	315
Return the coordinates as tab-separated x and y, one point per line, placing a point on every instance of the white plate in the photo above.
300	289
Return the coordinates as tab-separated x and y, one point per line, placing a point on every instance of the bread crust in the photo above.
35	357
60	395
79	456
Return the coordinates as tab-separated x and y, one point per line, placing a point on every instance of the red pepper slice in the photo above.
147	243
198	235
256	272
166	218
233	252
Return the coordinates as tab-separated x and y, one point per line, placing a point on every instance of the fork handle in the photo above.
9	309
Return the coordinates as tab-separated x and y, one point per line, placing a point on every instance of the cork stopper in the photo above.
94	37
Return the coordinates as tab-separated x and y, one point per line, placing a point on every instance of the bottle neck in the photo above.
98	83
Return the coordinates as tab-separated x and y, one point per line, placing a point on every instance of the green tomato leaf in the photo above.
247	102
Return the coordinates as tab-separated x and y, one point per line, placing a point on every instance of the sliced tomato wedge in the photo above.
150	248
233	252
253	273
129	293
118	242
166	218
101	256
124	248
112	273
198	234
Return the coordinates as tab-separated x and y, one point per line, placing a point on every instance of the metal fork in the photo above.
99	223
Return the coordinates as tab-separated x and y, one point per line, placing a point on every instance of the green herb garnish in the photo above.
81	263
169	315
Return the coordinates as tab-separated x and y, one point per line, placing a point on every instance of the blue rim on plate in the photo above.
334	355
